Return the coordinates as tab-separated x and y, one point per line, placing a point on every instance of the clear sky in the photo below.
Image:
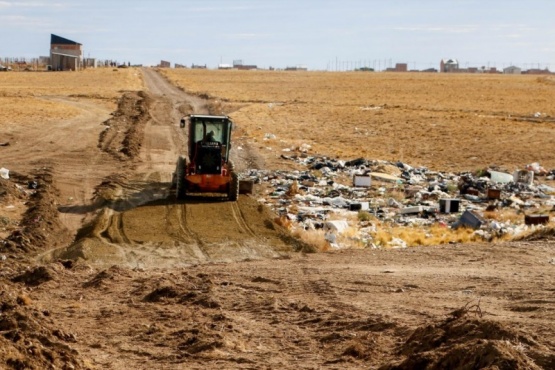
318	34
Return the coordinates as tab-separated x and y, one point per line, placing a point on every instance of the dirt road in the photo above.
149	282
142	225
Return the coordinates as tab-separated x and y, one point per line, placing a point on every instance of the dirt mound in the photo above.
461	342
36	276
13	196
41	226
123	135
204	330
104	277
190	290
28	337
12	187
109	188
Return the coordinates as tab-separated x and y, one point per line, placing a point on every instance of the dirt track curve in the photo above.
140	223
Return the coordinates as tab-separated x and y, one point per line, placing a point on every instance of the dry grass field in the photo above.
26	97
442	121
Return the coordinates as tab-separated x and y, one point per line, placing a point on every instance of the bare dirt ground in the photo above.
106	270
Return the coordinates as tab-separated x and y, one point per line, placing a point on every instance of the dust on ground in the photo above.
148	282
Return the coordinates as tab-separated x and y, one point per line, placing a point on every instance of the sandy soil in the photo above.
106	270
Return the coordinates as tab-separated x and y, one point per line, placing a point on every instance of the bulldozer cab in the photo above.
209	142
208	168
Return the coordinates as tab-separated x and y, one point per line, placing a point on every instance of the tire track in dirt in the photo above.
76	163
240	219
114	232
199	251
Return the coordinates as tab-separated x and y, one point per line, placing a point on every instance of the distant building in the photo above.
297	68
90	63
246	67
535	71
401	67
449	65
512	70
164	64
65	55
177	65
238	64
225	66
198	66
44	60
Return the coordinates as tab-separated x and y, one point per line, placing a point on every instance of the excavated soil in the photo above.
101	267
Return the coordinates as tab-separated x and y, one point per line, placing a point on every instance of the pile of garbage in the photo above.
362	196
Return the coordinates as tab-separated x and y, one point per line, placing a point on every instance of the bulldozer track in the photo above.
183	226
197	248
240	219
174	224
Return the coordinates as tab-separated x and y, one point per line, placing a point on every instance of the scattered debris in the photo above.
370	195
536	219
524	177
501	177
537	169
470	219
362	181
245	186
371	108
384	177
449	205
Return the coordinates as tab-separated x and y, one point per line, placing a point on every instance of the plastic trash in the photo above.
536	168
397	243
500	177
4	173
338	226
